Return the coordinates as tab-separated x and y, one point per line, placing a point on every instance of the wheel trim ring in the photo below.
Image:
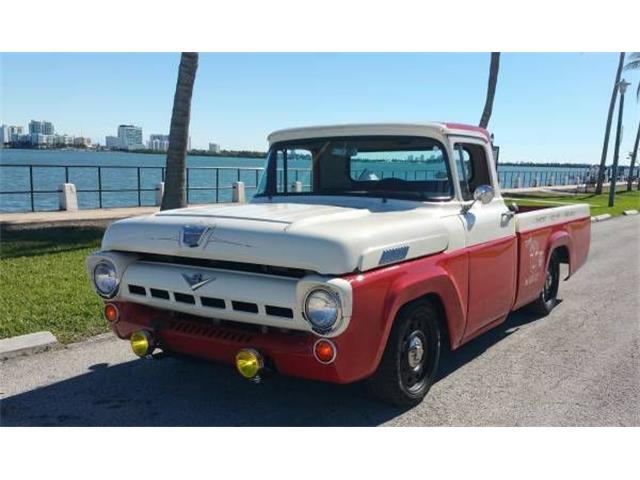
549	282
413	378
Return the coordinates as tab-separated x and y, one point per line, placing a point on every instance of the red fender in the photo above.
559	238
380	294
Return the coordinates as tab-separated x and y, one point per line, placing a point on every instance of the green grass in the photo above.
44	285
599	203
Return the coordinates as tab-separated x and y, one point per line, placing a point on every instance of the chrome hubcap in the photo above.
415	352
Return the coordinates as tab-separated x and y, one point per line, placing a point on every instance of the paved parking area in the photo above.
578	366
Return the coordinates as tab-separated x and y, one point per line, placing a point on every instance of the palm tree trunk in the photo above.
607	130
491	89
634	156
175	192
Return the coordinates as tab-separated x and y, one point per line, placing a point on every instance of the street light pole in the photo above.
614	171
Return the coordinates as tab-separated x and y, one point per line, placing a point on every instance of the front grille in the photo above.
279	311
184	298
158	293
226	265
210	331
137	290
245	307
212	302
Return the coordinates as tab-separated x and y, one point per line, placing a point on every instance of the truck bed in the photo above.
542	230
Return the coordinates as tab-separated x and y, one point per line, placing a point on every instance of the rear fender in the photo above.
560	238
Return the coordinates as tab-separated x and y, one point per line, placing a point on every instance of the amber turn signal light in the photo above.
111	312
324	350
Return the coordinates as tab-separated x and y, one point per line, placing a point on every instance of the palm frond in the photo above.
634	61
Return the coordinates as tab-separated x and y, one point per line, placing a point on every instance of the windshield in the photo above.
413	168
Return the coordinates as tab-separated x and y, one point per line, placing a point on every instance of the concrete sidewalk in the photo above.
79	215
63	218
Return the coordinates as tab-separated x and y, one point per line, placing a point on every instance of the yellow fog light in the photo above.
142	343
249	362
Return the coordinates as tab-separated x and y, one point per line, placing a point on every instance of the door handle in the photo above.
506	216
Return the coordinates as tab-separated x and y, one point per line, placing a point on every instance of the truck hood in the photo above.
321	238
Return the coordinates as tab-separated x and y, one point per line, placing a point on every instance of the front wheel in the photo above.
411	357
549	296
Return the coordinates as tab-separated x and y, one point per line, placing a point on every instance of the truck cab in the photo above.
364	252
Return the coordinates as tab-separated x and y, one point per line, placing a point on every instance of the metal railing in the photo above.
538	178
101	181
36	187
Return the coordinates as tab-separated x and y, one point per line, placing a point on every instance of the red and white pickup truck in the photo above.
365	251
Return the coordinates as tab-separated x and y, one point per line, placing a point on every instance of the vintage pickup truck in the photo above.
366	250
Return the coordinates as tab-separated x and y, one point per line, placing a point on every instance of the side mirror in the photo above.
484	194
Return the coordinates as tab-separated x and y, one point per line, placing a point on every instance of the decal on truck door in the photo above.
533	249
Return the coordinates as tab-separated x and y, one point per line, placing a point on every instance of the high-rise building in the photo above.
130	137
214	147
4	134
40	127
112	142
158	142
15	133
83	142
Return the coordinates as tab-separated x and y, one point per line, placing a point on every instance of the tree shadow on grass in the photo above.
42	241
187	392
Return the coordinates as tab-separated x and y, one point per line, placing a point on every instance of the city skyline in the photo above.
548	108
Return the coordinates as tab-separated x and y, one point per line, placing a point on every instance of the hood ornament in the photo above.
192	235
197	280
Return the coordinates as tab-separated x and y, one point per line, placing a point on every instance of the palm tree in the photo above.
491	89
633	64
634	156
607	130
175	193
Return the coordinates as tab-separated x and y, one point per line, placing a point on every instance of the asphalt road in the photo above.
578	366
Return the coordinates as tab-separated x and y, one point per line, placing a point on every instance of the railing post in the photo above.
237	192
68	197
188	179
139	197
31	186
159	193
217	185
99	187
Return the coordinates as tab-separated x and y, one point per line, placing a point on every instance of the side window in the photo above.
464	167
472	167
293	171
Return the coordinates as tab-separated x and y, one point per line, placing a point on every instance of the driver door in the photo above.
490	239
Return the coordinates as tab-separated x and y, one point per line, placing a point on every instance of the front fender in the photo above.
378	296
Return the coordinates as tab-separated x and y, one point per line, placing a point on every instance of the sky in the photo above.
549	107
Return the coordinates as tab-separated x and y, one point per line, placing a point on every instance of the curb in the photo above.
601	218
630	212
27	344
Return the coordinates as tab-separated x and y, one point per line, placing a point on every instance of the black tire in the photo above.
549	295
405	374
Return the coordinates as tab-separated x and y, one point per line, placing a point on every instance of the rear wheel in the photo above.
411	357
549	296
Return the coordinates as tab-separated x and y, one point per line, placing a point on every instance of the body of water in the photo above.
205	174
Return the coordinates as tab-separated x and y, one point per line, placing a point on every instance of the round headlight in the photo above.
105	279
322	309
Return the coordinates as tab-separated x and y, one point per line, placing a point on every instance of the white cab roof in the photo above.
430	129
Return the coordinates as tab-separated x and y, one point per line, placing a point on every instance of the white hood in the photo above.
321	238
